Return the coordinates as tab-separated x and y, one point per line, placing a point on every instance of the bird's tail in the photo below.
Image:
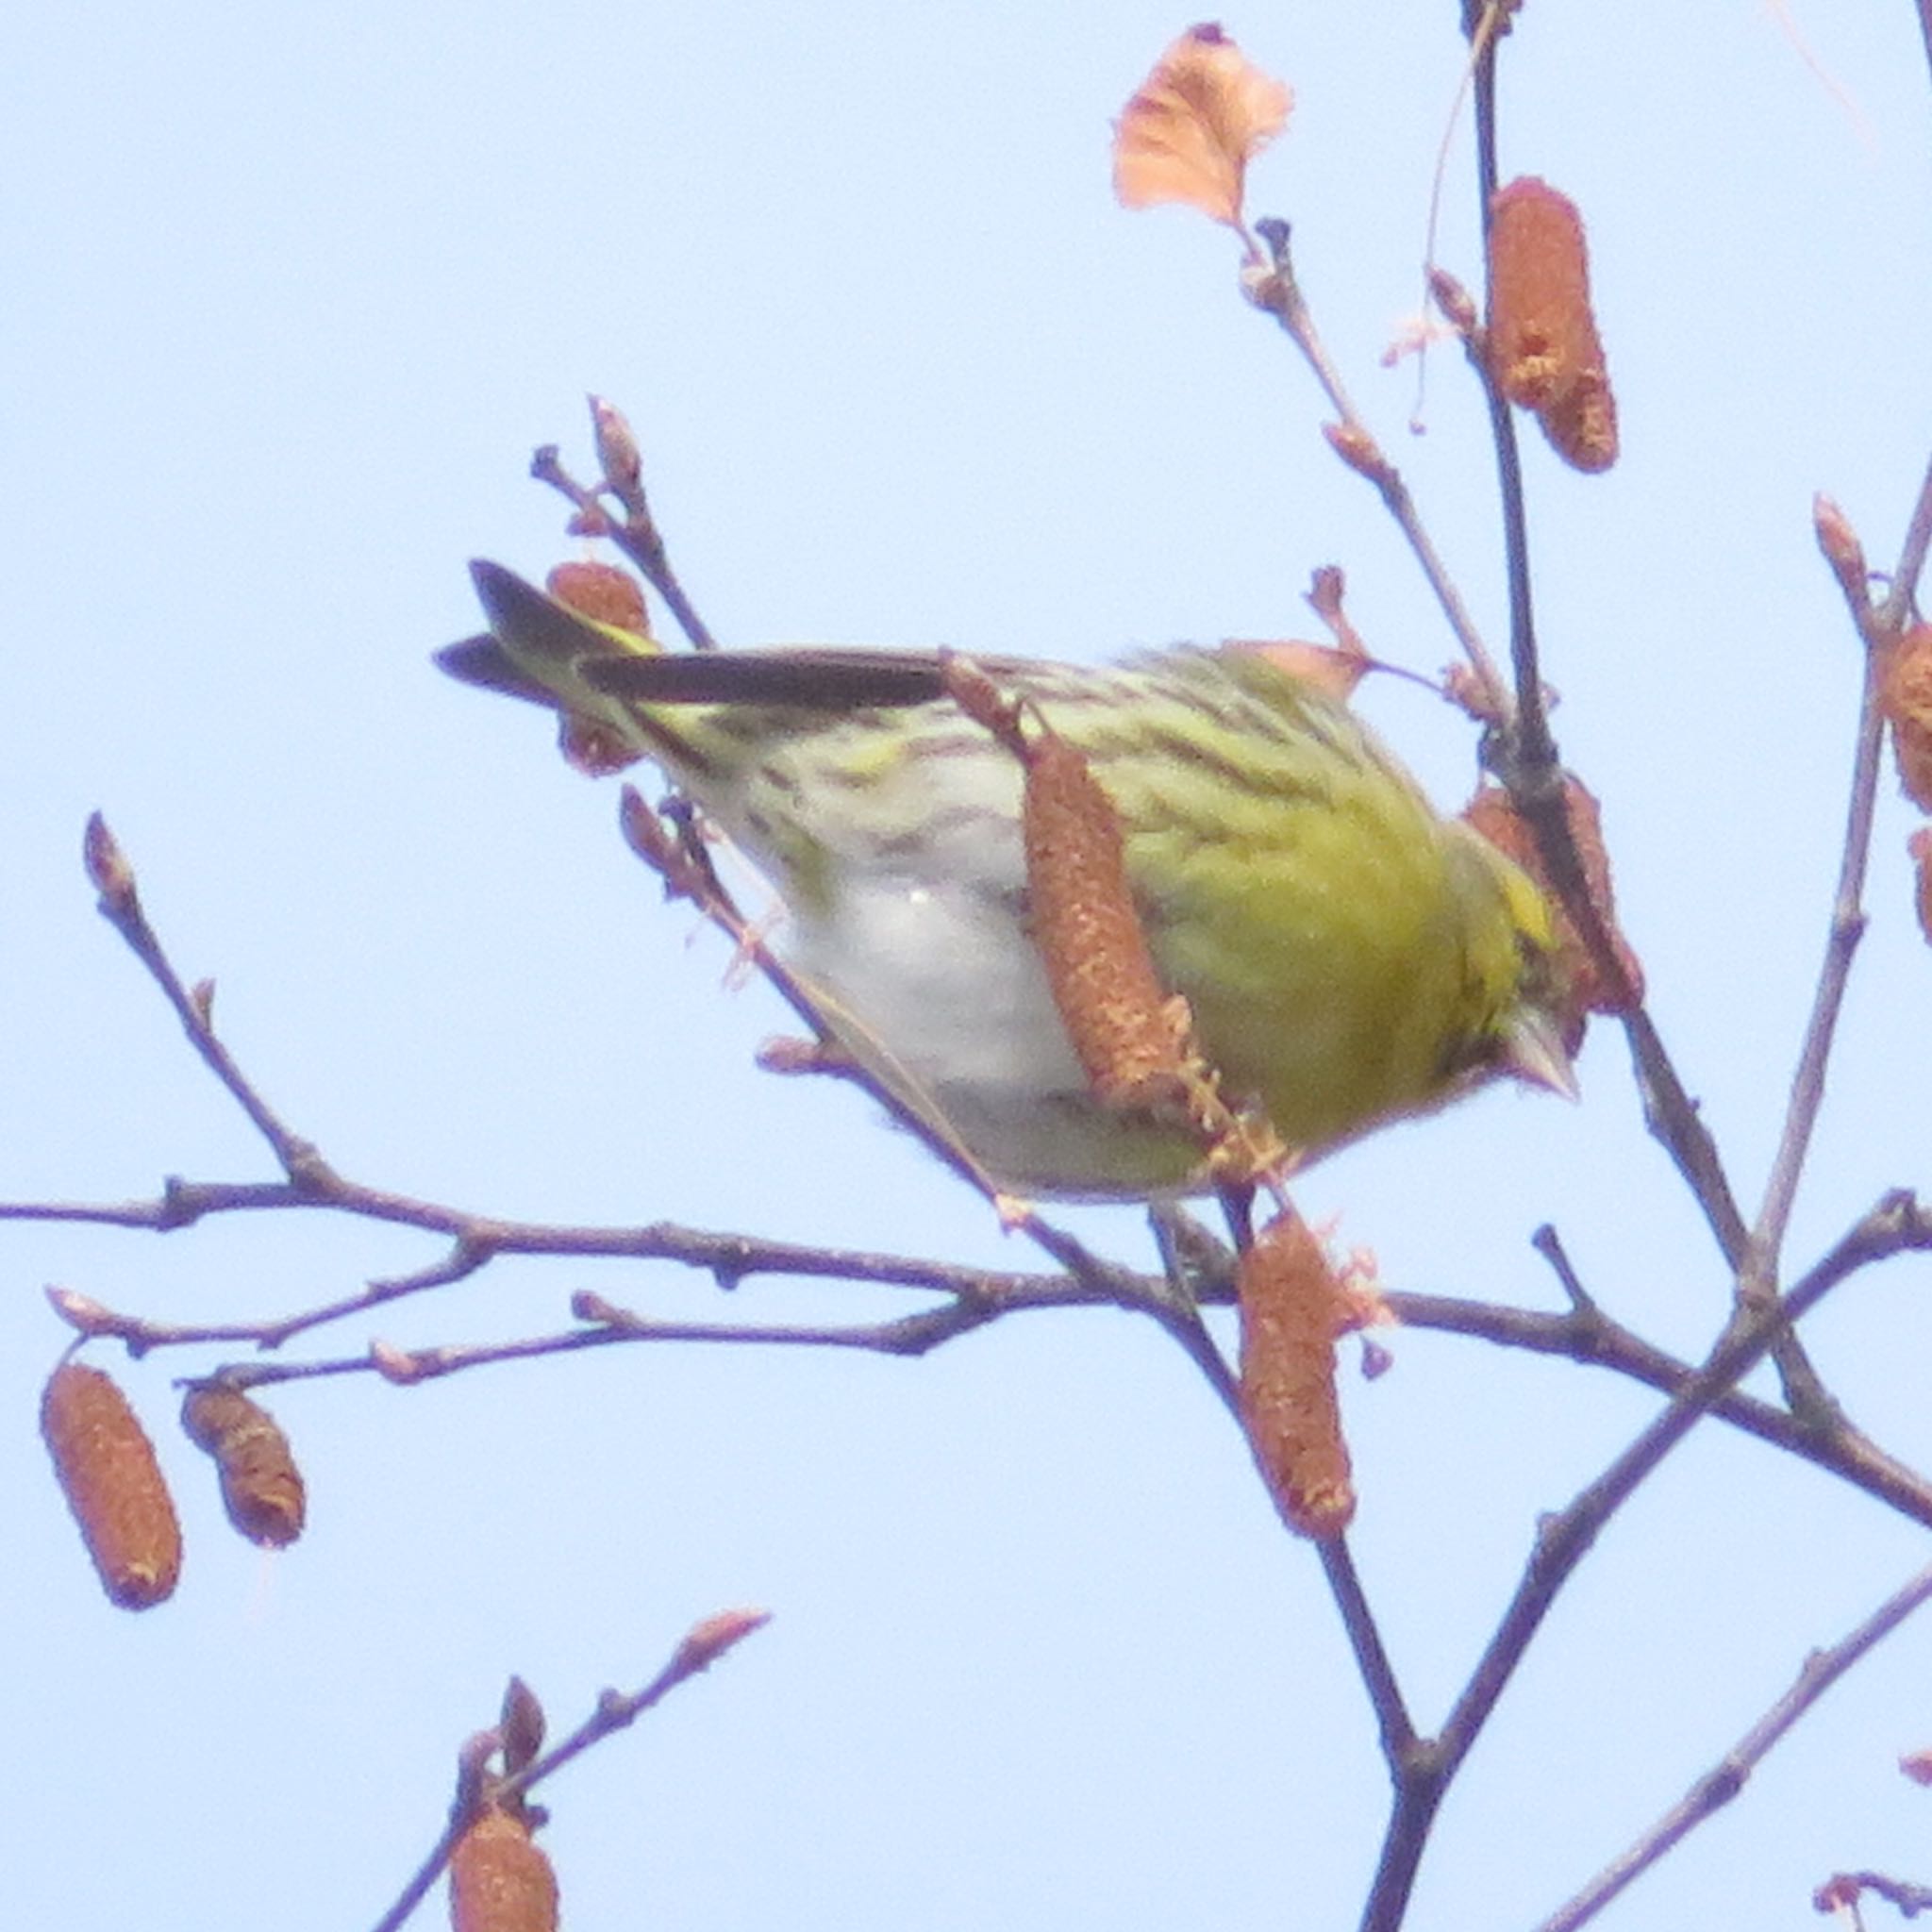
542	651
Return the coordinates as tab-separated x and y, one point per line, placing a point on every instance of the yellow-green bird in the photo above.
1349	956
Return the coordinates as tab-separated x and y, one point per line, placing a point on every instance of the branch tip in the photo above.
1842	548
707	1641
108	869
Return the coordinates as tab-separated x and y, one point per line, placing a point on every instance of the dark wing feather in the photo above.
806	678
814	680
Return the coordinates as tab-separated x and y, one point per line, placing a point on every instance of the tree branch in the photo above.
1877	628
1726	1779
702	1645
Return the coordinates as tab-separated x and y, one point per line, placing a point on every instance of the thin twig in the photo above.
702	1645
609	1324
119	906
1528	760
1725	1780
1671	1116
1359	1622
1895	1224
1877	628
1392	1722
1563	1540
1274	290
1912	555
479	1238
1549	1244
636	533
1590	1338
1533	749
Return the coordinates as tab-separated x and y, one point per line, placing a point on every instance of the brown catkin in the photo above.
261	1487
1291	1307
107	1472
602	593
1905	690
1543	349
1920	846
1128	1034
499	1880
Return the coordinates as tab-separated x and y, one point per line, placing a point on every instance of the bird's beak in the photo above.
1533	1051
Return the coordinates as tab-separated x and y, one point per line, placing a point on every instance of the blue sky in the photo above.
293	294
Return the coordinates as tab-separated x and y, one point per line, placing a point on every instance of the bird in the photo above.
1348	956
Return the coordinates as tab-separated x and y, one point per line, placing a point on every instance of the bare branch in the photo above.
1276	291
636	532
1726	1779
609	1324
1393	1724
702	1645
1586	1334
1895	1224
119	906
1876	627
1527	758
1424	1775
